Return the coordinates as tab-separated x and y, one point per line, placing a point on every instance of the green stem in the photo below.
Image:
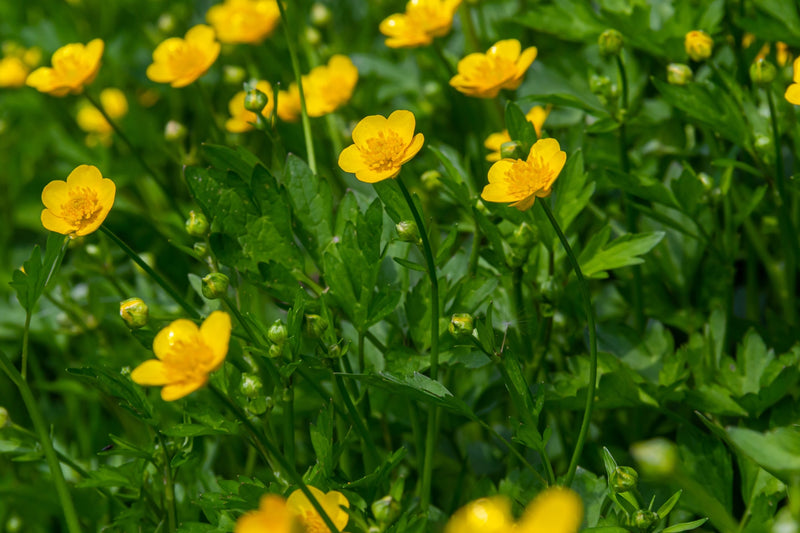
25	337
312	160
152	273
371	455
587	302
432	430
169	489
39	425
264	445
288	425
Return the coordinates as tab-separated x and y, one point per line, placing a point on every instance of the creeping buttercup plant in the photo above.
399	266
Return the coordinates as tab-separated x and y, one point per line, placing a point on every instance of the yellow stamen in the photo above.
385	151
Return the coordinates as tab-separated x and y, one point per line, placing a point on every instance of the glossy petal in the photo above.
350	159
55	194
367	129
556	510
374	176
485	515
176	391
85	176
177	331
272	516
402	122
508	49
545	148
200	34
796	70
497	172
413	148
526	59
216	333
151	372
52	222
793	93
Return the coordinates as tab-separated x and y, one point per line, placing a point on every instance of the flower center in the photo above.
385	151
313	523
189	359
525	178
82	208
184	58
494	69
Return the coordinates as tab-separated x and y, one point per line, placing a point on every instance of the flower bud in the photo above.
255	101
762	72
334	351
316	326
698	45
385	510
600	85
196	224
233	74
258	406
525	236
215	285
656	457
251	385
624	478
431	180
275	351
320	15
4	418
763	145
610	42
200	248
313	36
511	150
679	74
408	231
644	518
706	181
278	333
174	131
134	312
461	324
166	23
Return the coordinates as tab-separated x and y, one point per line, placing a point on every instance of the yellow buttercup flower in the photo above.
422	21
13	72
186	355
486	515
79	205
502	67
92	121
181	61
332	502
536	116
793	91
272	516
782	53
74	65
244	21
381	146
326	88
522	181
698	45
241	119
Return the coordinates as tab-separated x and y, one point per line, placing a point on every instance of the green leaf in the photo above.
776	451
572	194
621	252
668	505
239	160
322	439
411	265
571	20
519	127
685	526
224	198
38	271
456	175
120	386
312	205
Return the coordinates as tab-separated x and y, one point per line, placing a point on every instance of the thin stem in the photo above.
587	302
25	337
264	445
288	424
169	489
371	455
312	160
217	132
39	425
152	273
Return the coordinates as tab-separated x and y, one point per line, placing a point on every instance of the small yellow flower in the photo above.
13	72
486	515
536	116
74	65
326	88
241	119
782	53
181	61
244	21
698	45
92	121
502	67
555	510
186	355
78	205
332	502
422	21
272	516
793	91
521	182
381	146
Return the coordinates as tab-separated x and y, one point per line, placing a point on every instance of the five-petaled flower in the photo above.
79	205
502	67
326	88
241	119
793	91
74	65
698	45
422	21
272	515
494	142
244	21
521	181
555	510
332	502
181	61
186	355
381	146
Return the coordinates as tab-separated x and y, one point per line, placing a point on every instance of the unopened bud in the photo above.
699	45
679	74
233	74
251	385
255	101
200	248
461	324
334	351
278	333
166	23
431	180
706	181
4	418
643	519
275	351
174	131
600	85
196	224
313	36
525	236
762	72
610	42
656	457
320	15
385	510
134	312
408	231
316	326
624	478
511	150
215	285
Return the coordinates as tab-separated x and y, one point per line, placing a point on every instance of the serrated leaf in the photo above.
520	129
239	160
621	252
312	205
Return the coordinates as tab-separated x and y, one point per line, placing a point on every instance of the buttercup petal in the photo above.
368	175
525	203
403	123
200	34
151	372
55	194
216	333
178	330
556	510
544	148
176	391
793	93
368	128
51	222
413	148
508	49
85	176
350	159
796	70
497	172
526	59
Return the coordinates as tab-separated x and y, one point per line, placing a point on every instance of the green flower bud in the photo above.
320	15
166	23
174	131
679	74
251	385
600	85
316	326
215	285
5	420
624	478
334	351
762	72
408	231
275	351
134	312
196	224
643	518
385	510
255	101
200	248
278	333
525	236
313	36
431	180
610	42
258	406
233	74
706	181
656	457
511	150
461	324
